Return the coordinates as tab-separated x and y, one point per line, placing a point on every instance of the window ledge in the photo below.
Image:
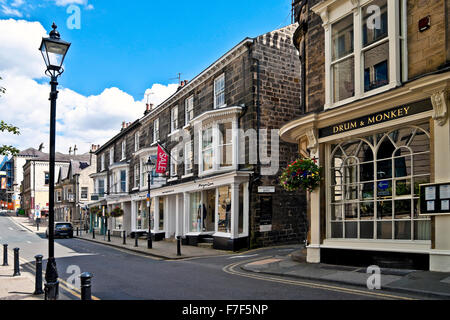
173	133
220	107
155	143
187	176
172	179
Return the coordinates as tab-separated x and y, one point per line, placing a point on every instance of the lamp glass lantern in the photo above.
54	50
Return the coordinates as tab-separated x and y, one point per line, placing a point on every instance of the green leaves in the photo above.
8	150
2	90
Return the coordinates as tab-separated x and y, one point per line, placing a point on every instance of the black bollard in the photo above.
78	232
93	233
124	237
37	224
136	239
178	246
5	255
16	262
86	278
149	240
38	289
109	235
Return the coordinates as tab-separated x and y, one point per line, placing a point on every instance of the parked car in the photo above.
62	229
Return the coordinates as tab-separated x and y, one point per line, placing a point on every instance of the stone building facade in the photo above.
376	118
221	133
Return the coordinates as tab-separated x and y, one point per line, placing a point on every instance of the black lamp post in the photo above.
53	51
149	166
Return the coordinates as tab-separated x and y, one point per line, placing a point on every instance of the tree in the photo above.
2	90
8	150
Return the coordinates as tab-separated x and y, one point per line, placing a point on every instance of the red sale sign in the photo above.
161	164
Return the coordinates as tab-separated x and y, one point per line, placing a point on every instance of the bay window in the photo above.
123	181
374	189
217	147
188	158
207	149
343	59
136	176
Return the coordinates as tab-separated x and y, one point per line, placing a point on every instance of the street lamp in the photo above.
53	51
149	166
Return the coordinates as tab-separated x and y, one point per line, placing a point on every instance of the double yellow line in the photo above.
63	284
231	269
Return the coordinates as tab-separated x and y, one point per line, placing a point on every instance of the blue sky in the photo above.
133	44
122	50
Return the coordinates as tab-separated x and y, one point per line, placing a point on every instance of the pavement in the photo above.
160	249
433	284
289	266
164	249
19	287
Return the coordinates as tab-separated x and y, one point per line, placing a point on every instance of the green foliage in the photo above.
303	173
8	150
117	212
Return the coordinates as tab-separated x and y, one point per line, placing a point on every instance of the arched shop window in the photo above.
374	186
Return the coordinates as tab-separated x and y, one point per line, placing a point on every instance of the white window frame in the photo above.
174	119
217	93
136	141
188	158
156	130
216	148
124	148
396	37
102	162
111	156
173	163
188	108
137	176
87	193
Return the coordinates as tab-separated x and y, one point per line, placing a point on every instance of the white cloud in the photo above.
11	12
63	3
82	120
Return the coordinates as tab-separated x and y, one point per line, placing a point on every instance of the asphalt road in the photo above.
121	275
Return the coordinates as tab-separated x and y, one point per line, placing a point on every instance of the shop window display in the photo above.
374	186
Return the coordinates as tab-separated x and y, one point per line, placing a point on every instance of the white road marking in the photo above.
246	256
29	242
10	228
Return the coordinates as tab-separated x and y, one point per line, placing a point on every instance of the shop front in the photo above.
213	210
375	155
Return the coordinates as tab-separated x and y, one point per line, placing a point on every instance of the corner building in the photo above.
375	100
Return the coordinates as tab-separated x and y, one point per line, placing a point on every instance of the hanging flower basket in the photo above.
95	210
303	173
117	212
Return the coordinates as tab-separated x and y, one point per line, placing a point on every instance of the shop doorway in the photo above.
209	211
